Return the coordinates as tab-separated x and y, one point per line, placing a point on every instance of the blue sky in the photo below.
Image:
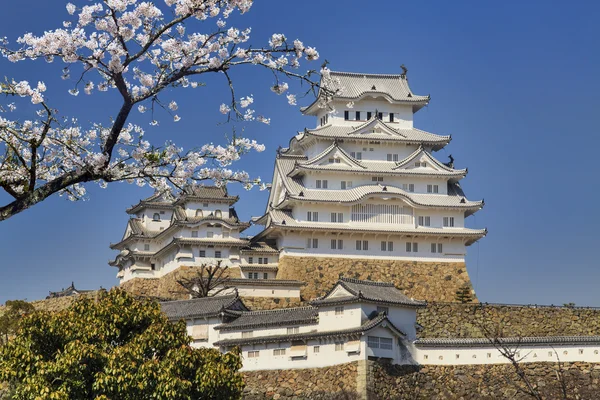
515	83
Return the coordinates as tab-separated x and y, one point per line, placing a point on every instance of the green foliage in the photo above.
114	347
464	294
13	312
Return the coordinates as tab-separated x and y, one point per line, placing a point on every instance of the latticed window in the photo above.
253	354
339	346
279	352
382	213
293	329
448	221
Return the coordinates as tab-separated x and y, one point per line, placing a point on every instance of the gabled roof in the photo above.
367	326
267	318
203	307
376	292
259	248
435	168
70	291
373	129
354	86
205	193
159	200
332	150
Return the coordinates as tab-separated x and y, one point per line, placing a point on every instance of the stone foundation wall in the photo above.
481	381
432	281
337	382
166	287
454	320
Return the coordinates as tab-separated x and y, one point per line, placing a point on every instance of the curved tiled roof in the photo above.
351	332
203	307
508	341
377	292
266	318
259	248
353	86
387	132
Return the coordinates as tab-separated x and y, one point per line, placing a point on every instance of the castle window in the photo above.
550	354
194	233
346	184
218	214
316	349
202	253
387	246
420	164
265	260
156	217
253	275
253	354
376	342
489	355
218	254
369	115
339	346
337	244
408	187
321	184
392	157
424	221
210	234
448	222
357	115
312	216
293	329
425	357
146	247
279	352
380	115
377	178
436	247
346	115
391	117
337	217
250	260
312	243
580	351
432	188
265	275
153	267
204	204
412	247
339	310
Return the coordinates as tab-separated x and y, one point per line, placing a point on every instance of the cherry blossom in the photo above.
137	49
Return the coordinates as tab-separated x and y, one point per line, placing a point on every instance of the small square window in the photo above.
194	233
204	204
339	310
316	349
147	247
202	253
217	254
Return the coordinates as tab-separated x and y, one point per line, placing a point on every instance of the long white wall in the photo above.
491	355
403	115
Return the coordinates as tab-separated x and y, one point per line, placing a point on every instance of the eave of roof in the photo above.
289	316
356	332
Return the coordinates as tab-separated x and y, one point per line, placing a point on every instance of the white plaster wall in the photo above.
149	223
403	318
328	321
270	273
326	356
191	207
295	244
403	117
490	355
213	334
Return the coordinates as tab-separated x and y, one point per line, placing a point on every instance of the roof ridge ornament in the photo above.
404	71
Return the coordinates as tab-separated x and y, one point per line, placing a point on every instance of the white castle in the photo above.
364	183
363	187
